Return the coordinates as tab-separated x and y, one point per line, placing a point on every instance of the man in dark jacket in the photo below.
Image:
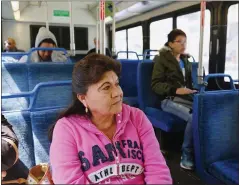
172	81
10	46
107	51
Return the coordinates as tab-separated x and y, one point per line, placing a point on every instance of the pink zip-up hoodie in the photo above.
81	154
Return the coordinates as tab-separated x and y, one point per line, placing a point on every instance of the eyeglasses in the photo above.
181	42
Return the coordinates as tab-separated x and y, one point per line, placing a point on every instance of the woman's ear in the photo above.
81	98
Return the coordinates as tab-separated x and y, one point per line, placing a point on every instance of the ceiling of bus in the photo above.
125	9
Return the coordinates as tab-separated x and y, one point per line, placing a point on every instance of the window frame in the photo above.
127	38
60	31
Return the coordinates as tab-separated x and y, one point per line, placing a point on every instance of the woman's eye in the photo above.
106	88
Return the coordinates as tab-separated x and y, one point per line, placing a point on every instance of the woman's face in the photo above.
46	55
179	44
104	97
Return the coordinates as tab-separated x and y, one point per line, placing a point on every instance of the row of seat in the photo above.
22	77
215	126
32	125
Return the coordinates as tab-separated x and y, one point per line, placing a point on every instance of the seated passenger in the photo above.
10	46
104	140
172	81
107	51
45	39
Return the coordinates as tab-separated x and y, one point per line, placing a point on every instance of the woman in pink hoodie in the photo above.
100	140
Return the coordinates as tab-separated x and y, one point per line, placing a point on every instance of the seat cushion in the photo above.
132	101
164	120
41	121
21	123
227	171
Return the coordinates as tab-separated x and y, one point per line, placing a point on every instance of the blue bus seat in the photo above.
21	123
149	102
216	131
14	80
40	122
31	126
15	55
51	96
128	81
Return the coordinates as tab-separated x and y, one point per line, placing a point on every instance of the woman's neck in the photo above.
103	123
177	56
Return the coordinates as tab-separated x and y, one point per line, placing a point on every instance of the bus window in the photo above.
231	63
121	43
159	31
135	41
190	24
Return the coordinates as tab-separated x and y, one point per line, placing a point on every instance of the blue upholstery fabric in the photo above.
227	171
21	123
218	125
150	102
132	101
41	121
51	96
147	98
216	129
128	79
165	121
147	60
14	80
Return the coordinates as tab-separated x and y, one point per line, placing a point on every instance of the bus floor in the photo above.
170	144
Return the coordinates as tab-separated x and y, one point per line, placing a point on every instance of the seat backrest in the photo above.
128	79
216	126
15	55
51	96
14	80
146	97
21	123
41	121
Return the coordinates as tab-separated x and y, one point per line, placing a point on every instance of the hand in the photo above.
183	91
4	174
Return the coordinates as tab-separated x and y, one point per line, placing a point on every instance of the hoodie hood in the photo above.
43	34
165	49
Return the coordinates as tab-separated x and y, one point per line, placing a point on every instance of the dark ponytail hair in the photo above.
86	72
173	35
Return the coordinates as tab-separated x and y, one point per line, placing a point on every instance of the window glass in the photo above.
190	24
121	43
231	63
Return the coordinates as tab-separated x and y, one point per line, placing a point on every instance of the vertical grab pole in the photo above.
97	29
72	37
113	30
47	20
200	65
102	27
